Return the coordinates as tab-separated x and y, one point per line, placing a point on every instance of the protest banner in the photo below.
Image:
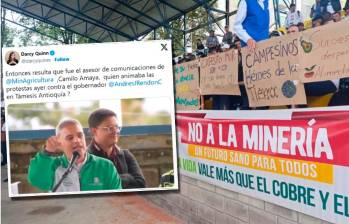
187	85
39	82
271	72
219	74
296	159
324	52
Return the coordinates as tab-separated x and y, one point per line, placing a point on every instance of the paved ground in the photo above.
106	209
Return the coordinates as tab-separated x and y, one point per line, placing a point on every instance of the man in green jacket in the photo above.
88	173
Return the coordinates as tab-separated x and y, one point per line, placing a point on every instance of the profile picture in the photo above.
12	58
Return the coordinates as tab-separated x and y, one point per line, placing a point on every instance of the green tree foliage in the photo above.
133	114
7	33
53	35
193	19
161	117
45	115
37	34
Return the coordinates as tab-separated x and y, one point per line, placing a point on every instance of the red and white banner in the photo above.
298	159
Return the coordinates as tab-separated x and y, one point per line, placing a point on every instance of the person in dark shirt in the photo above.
199	45
228	37
200	48
212	42
105	131
316	9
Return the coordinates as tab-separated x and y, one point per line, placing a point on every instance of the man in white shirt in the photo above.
293	17
252	22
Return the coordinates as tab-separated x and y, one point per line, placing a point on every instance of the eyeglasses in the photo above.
112	129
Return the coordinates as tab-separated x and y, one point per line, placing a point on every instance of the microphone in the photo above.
76	155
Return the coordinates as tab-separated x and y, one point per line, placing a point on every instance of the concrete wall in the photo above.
153	153
199	202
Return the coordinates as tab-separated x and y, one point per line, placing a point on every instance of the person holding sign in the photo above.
105	130
76	169
252	22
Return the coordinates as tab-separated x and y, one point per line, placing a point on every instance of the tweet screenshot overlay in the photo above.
90	118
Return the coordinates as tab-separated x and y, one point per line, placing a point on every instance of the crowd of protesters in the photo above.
322	12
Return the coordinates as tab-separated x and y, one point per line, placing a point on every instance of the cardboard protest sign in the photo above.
187	85
325	52
219	74
187	102
271	72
